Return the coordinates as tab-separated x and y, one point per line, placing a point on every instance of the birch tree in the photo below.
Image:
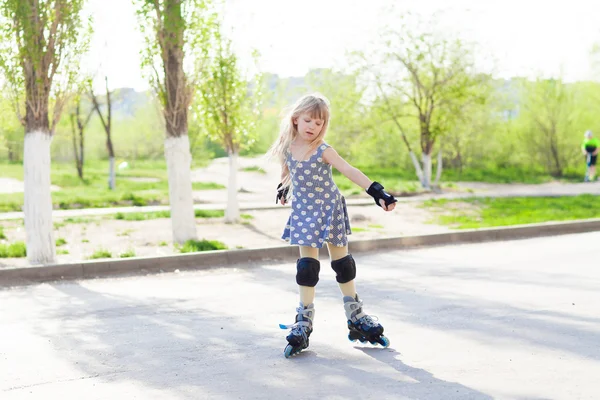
425	77
177	34
42	41
228	108
107	125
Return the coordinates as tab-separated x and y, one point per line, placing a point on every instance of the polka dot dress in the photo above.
319	211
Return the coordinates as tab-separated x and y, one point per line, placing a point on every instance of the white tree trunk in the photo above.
179	160
426	170
418	169
232	212
111	174
438	173
38	201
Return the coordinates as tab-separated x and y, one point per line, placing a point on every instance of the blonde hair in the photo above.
317	106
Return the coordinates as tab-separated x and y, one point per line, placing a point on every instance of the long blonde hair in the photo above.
317	106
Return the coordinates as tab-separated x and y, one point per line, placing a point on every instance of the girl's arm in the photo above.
383	199
284	171
330	156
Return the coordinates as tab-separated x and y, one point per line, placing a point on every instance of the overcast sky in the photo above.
526	37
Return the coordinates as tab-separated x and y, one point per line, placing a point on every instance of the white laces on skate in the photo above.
300	327
369	321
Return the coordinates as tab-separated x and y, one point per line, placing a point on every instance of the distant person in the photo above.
590	148
319	216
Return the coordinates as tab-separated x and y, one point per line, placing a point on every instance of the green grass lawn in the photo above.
489	212
143	183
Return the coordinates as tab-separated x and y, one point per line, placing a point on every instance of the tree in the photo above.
107	125
38	37
551	117
11	130
77	129
177	33
424	76
228	109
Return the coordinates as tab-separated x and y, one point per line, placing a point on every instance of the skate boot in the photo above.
300	330
362	326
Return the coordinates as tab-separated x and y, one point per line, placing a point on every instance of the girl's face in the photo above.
308	128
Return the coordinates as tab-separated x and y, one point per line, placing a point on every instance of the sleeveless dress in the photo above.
319	211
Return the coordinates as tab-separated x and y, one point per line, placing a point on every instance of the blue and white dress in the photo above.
319	211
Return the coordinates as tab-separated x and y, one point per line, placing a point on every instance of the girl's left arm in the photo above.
330	156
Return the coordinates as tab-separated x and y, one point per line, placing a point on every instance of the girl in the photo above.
319	216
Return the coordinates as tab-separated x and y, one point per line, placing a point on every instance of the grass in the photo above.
101	253
192	246
127	254
254	168
209	213
62	251
489	212
247	217
60	242
13	250
163	244
143	216
357	230
2	235
93	191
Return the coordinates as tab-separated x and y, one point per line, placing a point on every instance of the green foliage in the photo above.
13	250
41	42
62	251
2	235
100	253
206	186
142	216
489	212
127	254
192	246
209	213
254	168
144	183
60	242
228	103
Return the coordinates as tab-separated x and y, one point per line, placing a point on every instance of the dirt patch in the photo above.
142	179
264	229
11	185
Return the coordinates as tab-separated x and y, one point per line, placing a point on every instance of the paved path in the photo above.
215	199
504	320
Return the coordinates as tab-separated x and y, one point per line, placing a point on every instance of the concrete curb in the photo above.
249	257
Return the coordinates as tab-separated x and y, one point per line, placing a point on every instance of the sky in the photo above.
518	38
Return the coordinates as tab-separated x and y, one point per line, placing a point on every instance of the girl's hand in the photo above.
281	194
388	208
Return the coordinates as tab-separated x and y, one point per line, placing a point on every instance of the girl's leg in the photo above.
307	293
337	253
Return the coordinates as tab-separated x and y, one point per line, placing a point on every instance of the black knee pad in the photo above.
345	269
308	271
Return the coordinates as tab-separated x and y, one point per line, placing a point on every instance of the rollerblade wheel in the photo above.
354	336
385	342
288	352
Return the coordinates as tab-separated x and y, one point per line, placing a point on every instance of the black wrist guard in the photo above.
376	191
281	192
